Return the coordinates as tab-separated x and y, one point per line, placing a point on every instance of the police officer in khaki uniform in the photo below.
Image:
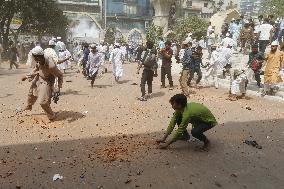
43	78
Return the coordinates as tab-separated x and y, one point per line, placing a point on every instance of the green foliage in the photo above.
197	26
274	7
40	17
110	35
154	33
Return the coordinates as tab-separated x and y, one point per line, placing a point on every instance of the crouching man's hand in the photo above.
163	145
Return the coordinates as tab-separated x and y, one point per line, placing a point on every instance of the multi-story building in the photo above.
89	18
227	4
250	8
84	17
200	8
129	14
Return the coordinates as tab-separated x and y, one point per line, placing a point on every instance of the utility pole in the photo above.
105	13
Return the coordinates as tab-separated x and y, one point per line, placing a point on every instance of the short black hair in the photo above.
150	44
199	48
168	43
179	99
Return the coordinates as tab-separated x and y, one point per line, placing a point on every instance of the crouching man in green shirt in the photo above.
197	114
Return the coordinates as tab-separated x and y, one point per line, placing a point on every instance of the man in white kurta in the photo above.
214	68
50	52
228	41
116	60
238	85
102	50
94	63
64	54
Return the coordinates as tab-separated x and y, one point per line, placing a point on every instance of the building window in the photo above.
205	4
189	3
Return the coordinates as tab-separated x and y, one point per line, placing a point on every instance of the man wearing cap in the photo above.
238	85
50	52
274	63
116	57
44	75
228	41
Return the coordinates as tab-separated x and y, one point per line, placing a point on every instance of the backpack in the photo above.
148	59
255	65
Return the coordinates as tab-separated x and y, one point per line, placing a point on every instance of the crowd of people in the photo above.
239	36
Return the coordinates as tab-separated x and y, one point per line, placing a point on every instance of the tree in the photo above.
40	17
274	7
110	35
193	24
154	33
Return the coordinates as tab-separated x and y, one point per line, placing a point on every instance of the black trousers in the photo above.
262	45
197	129
93	78
191	75
147	77
12	62
166	71
257	75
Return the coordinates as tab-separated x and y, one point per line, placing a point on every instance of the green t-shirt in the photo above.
193	113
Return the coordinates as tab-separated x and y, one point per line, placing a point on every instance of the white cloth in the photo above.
224	56
181	54
209	29
50	52
94	62
37	51
116	59
264	30
30	61
211	38
124	51
63	55
228	41
213	70
238	85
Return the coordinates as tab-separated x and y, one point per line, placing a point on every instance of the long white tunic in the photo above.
50	52
63	55
94	63
228	41
224	57
116	59
239	85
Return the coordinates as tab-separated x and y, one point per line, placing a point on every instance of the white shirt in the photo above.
265	30
50	52
282	24
228	41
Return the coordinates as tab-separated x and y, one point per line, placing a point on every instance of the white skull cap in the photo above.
37	51
51	42
275	43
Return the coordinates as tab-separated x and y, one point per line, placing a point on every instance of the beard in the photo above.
273	50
